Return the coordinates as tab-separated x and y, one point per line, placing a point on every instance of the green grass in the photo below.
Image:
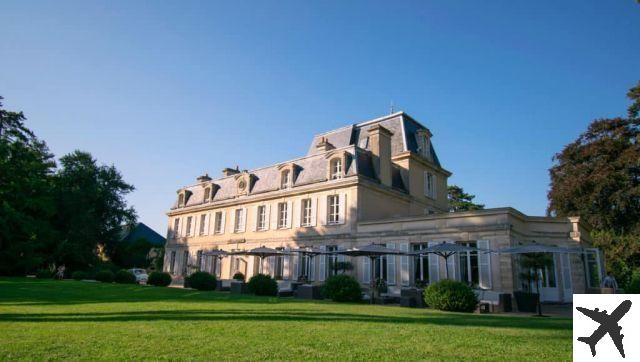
44	319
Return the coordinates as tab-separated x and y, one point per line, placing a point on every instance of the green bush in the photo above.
342	288
238	276
633	287
79	275
451	296
125	277
202	281
44	274
159	279
105	276
262	284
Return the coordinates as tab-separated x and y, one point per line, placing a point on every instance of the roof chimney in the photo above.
230	171
380	147
204	178
324	145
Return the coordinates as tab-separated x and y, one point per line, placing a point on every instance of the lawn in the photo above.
42	319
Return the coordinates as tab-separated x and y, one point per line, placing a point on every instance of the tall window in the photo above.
283	214
172	262
381	267
262	217
203	219
332	260
199	260
181	200
207	194
593	268
185	262
304	266
306	213
189	224
217	225
333	208
469	270
421	265
429	185
176	227
336	168
285	179
239	224
278	272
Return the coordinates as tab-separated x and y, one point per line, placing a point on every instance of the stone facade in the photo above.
375	182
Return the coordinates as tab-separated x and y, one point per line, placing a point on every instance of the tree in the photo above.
91	209
26	203
461	201
634	95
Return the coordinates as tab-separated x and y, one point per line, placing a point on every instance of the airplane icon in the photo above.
608	324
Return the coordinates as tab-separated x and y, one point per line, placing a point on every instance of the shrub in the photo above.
159	279
262	284
238	276
105	276
633	287
44	274
342	288
125	277
451	295
202	281
79	275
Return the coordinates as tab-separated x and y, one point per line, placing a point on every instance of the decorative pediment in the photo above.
244	183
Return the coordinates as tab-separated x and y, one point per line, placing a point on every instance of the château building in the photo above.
379	182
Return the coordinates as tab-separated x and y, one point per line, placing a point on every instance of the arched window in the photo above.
336	168
285	179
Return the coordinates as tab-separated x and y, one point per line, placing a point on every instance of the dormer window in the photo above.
423	138
285	179
207	194
181	200
335	167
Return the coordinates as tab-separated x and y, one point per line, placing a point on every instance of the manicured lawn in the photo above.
81	320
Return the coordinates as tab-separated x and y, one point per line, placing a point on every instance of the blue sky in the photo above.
169	90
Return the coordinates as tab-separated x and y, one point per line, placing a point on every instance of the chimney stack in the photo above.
324	145
204	178
230	171
380	146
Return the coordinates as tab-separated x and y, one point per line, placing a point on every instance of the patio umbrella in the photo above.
261	252
218	254
537	249
371	251
445	250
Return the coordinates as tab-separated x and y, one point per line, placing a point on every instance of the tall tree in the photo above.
91	209
598	176
634	95
460	200
26	203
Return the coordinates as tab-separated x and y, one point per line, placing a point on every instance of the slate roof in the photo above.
141	230
312	168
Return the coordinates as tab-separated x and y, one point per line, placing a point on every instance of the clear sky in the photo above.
169	90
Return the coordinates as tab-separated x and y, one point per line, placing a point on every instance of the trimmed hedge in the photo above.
342	288
634	285
44	274
262	284
202	281
125	277
451	295
238	276
159	279
79	275
105	276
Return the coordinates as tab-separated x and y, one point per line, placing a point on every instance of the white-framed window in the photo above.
172	262
217	224
185	263
285	179
421	265
176	227
278	270
261	218
238	225
336	168
283	215
333	209
199	261
203	219
305	219
189	224
469	266
429	185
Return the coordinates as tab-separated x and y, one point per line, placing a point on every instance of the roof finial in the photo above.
391	108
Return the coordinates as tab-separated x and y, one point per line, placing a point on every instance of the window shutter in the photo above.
296	213
289	214
274	217
314	210
295	268
404	264
434	266
207	223
254	219
391	266
244	219
322	210
484	265
267	216
323	263
286	273
272	265
223	221
233	220
366	270
342	205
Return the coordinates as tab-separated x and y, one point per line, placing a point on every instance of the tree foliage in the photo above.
634	96
460	200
